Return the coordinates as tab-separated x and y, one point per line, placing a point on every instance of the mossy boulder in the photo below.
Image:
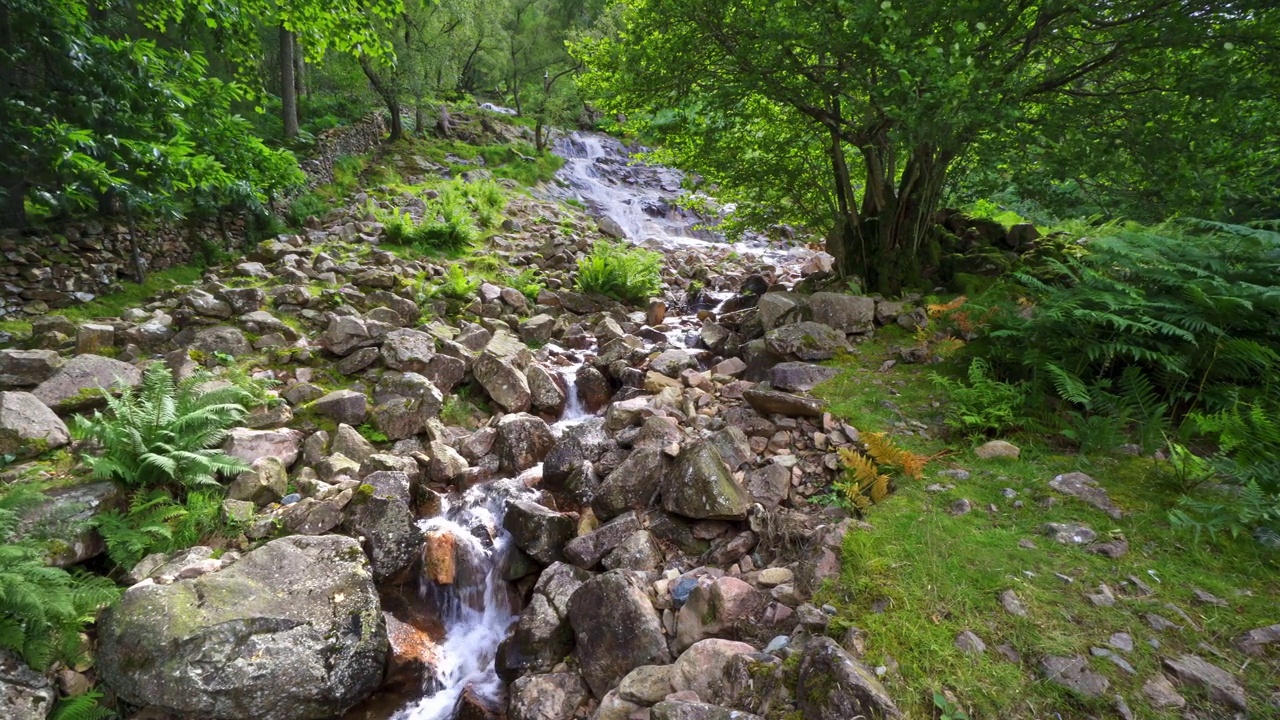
700	486
292	631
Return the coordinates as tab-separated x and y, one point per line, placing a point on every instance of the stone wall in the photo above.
77	262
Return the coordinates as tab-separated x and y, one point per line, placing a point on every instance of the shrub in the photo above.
629	274
864	482
529	283
456	284
307	205
42	609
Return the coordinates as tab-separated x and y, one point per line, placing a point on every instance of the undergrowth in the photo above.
629	274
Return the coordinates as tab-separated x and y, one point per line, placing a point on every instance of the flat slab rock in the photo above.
1220	685
1074	674
1081	486
775	402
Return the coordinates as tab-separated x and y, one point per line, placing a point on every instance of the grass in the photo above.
934	574
131	294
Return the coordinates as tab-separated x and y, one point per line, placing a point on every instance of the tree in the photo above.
884	101
288	83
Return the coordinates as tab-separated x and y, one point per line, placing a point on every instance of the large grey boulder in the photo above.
834	684
380	516
343	406
63	518
24	693
408	350
671	362
266	481
774	307
503	381
28	427
541	533
249	445
725	607
586	551
292	631
220	339
806	341
700	486
616	629
546	394
846	313
542	637
78	382
633	485
523	441
347	333
800	376
27	368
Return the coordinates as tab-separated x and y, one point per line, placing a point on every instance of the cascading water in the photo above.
469	595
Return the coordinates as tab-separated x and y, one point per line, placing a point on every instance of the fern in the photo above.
883	450
82	707
162	434
982	405
42	609
863	483
629	274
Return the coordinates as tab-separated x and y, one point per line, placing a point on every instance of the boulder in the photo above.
586	551
767	402
24	693
1220	685
539	532
266	481
220	339
552	696
800	376
349	442
705	667
647	684
523	441
671	362
28	427
616	629
639	551
774	307
545	394
689	710
633	485
733	445
834	684
503	381
380	516
294	628
408	350
249	445
343	406
724	607
1081	486
806	341
997	449
78	383
700	486
542	637
63	518
27	368
769	485
580	443
206	305
347	333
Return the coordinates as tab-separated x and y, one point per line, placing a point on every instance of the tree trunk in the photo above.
135	252
389	97
13	213
444	123
419	119
299	76
288	88
882	241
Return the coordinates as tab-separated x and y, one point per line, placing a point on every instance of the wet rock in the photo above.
616	628
542	637
439	556
725	607
633	485
78	383
343	406
545	394
266	481
1073	673
800	376
1081	486
28	427
580	443
503	381
539	532
772	401
27	368
24	693
249	445
380	517
523	441
846	313
298	607
547	697
997	449
700	486
806	341
1220	685
834	684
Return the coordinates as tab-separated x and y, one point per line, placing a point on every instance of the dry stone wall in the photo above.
77	262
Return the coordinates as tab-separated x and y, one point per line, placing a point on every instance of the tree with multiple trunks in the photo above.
854	114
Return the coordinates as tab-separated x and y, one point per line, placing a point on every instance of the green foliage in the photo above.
947	710
529	282
1144	327
1240	485
82	707
163	434
983	405
629	274
42	609
372	434
456	284
307	205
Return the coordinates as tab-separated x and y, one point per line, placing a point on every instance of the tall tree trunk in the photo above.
299	76
288	88
13	182
419	118
389	96
135	252
13	212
